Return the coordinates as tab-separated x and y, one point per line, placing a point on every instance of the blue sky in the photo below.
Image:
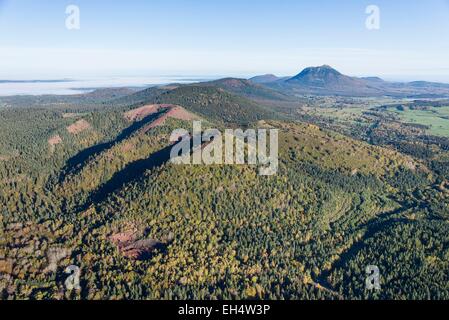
236	38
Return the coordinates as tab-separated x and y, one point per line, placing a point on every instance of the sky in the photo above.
224	38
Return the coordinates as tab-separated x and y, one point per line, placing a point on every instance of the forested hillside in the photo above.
88	183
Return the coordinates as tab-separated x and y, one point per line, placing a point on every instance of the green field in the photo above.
437	119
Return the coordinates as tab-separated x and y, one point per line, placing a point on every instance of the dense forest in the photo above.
82	183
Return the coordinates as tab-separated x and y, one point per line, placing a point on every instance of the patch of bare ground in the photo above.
6	266
140	113
174	111
54	141
180	113
78	127
132	247
54	255
123	237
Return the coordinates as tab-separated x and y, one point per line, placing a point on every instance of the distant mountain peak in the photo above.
324	66
325	80
376	79
319	71
233	82
316	75
268	75
265	78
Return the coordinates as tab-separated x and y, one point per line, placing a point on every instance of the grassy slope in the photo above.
437	119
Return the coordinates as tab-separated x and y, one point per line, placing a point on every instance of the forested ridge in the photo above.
79	186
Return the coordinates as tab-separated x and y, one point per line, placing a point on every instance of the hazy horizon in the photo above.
71	86
76	86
